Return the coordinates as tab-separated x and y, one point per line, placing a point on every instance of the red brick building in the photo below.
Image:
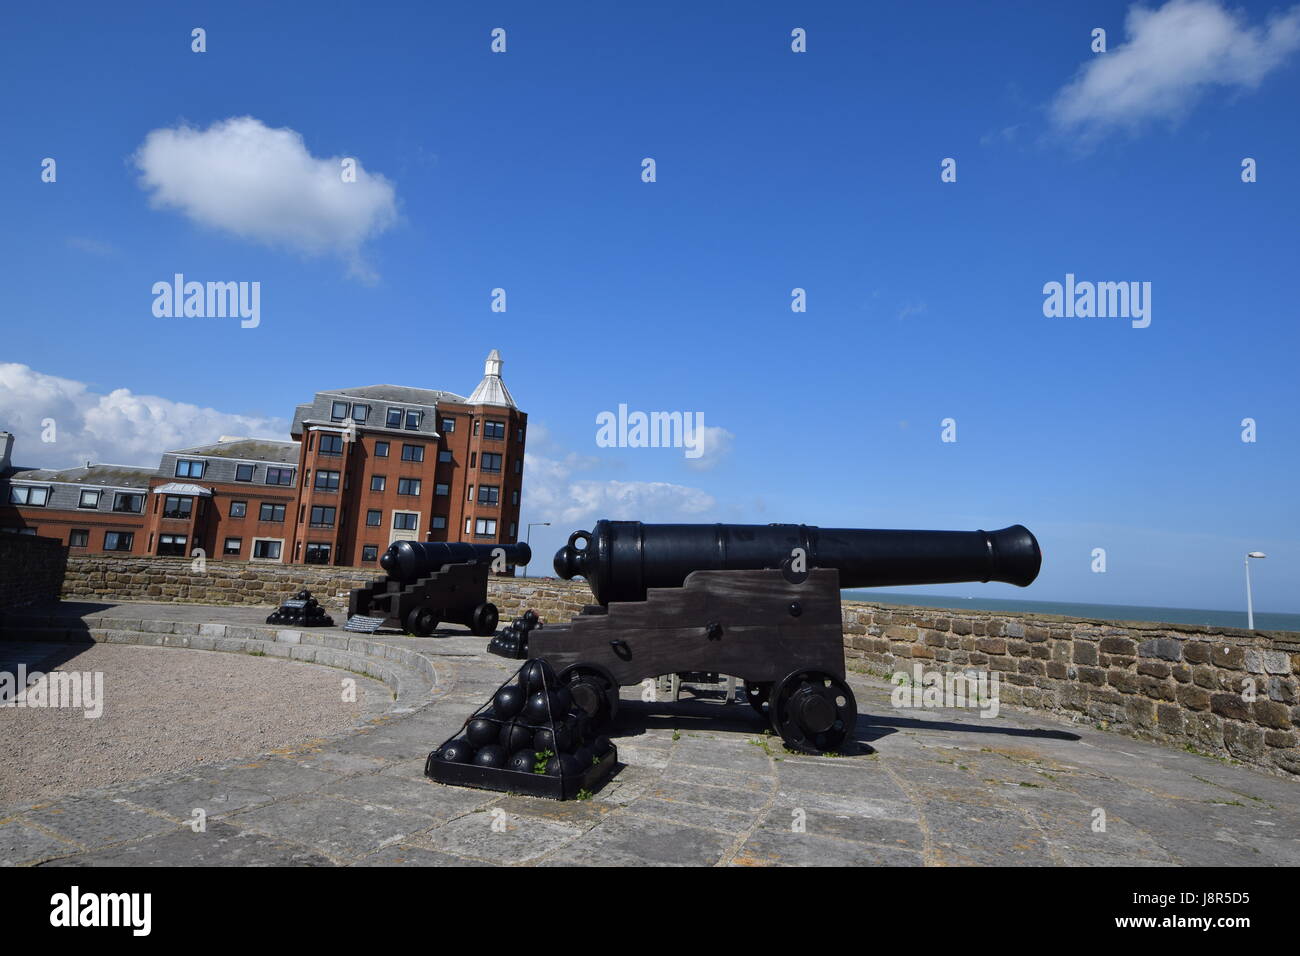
366	466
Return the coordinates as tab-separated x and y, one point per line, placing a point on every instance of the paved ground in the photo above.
699	784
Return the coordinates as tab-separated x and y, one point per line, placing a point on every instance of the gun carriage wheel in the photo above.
483	621
813	712
421	621
593	689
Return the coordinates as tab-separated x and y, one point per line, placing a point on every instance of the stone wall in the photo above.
1227	692
31	569
1221	691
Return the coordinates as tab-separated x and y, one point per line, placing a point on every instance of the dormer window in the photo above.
412	419
338	411
189	469
394	418
89	499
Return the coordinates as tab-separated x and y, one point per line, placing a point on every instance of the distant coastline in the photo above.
1264	620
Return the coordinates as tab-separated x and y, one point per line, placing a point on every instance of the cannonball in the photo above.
482	731
522	761
459	750
583	755
539	675
492	755
514	736
600	746
559	740
564	765
508	702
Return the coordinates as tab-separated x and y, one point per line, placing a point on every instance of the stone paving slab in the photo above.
699	783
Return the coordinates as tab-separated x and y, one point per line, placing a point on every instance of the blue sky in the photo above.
775	170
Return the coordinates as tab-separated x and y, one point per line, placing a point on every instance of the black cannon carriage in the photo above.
758	602
429	583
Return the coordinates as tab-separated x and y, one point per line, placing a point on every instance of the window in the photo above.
489	494
232	546
408	486
378	482
118	540
475	432
331	444
322	516
370	552
265	550
444	457
338	411
374	518
317	554
35	497
238	509
469	525
394	418
244	472
406	520
473	458
189	469
327	481
89	499
79	538
270	512
360	413
491	462
521	433
439	521
514	497
494	430
519	466
412	419
128	502
485	526
172	544
513	529
449	425
381	449
469	493
175	506
279	476
442	489
412	453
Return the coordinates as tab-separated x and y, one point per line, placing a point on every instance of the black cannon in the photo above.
759	602
431	582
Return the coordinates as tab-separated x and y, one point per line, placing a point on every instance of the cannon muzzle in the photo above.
622	559
407	561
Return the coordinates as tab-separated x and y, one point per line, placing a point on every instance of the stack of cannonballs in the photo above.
512	642
529	738
302	611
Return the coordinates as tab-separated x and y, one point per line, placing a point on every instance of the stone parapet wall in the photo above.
31	569
1228	692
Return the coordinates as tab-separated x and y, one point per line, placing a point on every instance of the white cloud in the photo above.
552	493
119	427
242	177
715	445
1172	57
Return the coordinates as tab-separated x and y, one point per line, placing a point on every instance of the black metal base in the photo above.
513	781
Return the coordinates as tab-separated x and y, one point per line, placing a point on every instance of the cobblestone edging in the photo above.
410	676
1223	691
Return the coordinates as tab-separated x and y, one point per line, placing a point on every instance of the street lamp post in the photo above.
1250	608
528	534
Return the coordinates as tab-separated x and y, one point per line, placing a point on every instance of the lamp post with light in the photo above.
1250	609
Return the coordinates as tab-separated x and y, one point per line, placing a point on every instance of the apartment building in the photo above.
366	466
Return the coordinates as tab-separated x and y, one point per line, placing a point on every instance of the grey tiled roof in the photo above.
117	476
247	449
398	393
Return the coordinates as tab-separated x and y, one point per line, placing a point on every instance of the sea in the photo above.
1264	620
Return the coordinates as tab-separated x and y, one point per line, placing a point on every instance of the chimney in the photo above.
6	450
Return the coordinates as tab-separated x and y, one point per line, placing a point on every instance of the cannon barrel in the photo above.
407	561
621	559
